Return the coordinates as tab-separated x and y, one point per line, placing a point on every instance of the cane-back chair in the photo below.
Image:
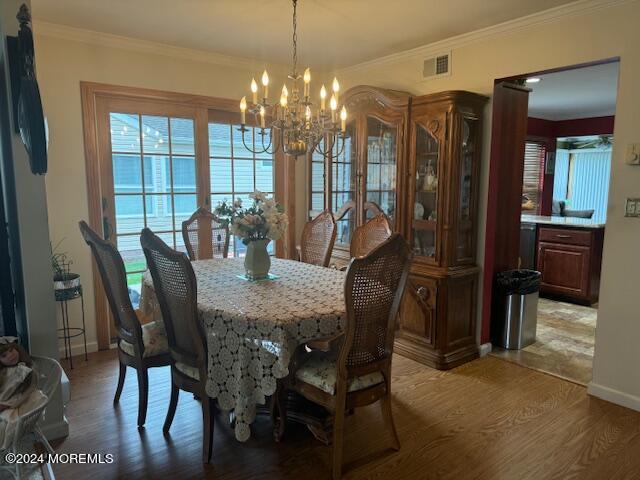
318	237
139	346
205	235
359	372
369	235
176	290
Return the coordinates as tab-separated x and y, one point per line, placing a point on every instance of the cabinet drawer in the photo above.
568	236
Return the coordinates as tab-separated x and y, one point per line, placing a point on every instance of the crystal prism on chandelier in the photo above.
297	127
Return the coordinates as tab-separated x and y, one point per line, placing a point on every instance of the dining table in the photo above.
254	327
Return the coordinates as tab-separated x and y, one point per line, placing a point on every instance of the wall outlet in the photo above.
633	154
632	208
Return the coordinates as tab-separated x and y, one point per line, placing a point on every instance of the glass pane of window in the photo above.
239	150
125	132
184	174
220	140
243	176
220	172
154	173
262	140
182	139
184	205
217	199
160	219
264	175
129	213
317	201
155	134
127	173
317	177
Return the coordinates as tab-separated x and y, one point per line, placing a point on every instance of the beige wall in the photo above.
62	64
593	34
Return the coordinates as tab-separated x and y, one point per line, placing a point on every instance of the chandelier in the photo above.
297	127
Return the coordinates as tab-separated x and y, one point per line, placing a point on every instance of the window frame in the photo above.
97	100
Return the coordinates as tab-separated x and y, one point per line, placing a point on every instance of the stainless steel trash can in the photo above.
517	292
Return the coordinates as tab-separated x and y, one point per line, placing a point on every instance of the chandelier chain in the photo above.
294	73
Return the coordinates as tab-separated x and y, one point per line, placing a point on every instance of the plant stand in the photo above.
63	296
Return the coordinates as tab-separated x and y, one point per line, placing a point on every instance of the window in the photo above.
235	172
154	182
534	158
317	181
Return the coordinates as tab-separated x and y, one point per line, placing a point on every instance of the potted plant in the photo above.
256	226
63	278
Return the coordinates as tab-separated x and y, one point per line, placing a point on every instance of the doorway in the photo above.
557	210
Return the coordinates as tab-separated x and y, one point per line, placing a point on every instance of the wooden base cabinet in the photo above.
570	260
437	320
438	326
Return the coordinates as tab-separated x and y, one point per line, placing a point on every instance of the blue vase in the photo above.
257	261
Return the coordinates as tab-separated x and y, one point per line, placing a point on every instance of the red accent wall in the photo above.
548	131
570	128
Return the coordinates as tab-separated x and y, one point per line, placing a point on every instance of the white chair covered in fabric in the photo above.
49	373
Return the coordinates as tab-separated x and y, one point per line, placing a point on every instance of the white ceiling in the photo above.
331	33
580	93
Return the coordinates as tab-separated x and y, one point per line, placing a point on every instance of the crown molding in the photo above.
551	15
109	40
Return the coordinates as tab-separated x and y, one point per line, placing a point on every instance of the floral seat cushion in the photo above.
154	339
319	370
188	370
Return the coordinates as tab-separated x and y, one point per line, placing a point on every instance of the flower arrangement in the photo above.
264	219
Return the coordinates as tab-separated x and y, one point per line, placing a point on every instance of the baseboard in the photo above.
56	430
78	349
485	349
614	396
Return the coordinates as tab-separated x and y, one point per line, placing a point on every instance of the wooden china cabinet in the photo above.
437	322
417	159
367	176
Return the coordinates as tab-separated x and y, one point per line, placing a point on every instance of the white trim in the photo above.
485	349
56	430
81	35
579	7
78	349
614	396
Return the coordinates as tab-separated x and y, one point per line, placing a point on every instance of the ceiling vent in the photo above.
437	66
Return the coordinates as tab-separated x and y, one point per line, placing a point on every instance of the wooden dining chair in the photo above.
318	237
203	230
359	372
176	290
369	235
139	346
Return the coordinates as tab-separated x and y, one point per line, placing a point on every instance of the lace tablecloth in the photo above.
253	328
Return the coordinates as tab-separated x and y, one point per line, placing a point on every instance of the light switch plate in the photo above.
632	208
633	154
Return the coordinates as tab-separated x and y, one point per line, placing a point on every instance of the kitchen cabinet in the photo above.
570	260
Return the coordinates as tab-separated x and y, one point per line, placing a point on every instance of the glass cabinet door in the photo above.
343	184
464	243
381	166
425	207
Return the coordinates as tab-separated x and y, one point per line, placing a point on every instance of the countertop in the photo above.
573	222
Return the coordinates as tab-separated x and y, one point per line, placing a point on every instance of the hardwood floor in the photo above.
488	419
564	342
